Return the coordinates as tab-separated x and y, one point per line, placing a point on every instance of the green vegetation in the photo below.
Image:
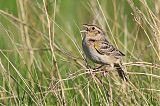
42	62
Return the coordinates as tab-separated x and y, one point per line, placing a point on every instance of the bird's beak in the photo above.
83	31
86	26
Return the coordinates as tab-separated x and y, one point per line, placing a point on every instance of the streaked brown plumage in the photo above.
98	49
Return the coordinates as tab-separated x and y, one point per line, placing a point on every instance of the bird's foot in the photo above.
97	68
104	72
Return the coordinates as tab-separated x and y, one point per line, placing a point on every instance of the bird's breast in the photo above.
90	51
92	54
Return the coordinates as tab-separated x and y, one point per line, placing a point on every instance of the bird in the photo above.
98	49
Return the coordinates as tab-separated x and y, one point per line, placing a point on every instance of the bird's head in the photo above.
92	30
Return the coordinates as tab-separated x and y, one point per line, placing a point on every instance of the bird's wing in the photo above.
105	48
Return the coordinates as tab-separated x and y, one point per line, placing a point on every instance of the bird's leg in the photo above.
97	68
102	68
107	69
112	65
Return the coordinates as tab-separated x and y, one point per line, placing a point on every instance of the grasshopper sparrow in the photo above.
98	49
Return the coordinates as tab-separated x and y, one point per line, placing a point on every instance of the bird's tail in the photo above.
120	72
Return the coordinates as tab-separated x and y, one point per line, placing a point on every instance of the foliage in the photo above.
42	62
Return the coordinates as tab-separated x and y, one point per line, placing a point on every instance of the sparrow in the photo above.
98	49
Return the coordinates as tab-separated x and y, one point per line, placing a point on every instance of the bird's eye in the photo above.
93	28
87	29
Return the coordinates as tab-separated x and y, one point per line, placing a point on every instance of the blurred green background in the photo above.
41	57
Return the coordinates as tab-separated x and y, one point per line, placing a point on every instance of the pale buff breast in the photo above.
92	54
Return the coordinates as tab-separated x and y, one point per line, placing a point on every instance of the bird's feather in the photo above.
105	48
